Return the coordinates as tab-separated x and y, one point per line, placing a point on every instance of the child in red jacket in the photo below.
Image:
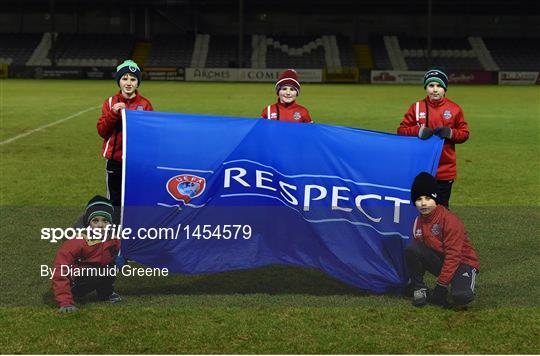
438	115
83	265
286	108
441	247
109	126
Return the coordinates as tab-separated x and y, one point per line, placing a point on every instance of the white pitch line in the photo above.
46	126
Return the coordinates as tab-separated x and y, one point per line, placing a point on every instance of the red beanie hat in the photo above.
290	78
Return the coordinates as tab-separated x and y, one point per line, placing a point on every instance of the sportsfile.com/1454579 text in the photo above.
188	232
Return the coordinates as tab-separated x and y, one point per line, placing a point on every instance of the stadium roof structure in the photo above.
365	7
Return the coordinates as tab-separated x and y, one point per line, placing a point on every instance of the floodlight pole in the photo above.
429	21
146	24
240	33
132	18
53	32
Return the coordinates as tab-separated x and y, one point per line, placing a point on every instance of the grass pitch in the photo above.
48	175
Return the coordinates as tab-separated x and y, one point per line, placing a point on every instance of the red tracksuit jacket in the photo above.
287	112
80	253
109	125
444	232
442	112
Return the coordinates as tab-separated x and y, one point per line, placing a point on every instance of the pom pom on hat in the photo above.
288	77
128	66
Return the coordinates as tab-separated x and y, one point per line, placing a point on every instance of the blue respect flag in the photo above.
208	194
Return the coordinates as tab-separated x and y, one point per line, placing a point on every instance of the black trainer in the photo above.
420	297
114	298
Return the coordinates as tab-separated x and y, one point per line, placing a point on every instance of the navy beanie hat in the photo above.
436	75
128	66
424	184
98	206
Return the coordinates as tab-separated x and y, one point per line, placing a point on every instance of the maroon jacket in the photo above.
442	112
444	232
287	112
80	253
109	125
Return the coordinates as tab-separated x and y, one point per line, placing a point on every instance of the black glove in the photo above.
443	132
67	309
438	296
425	133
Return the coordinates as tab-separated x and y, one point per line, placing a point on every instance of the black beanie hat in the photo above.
130	67
424	184
98	206
436	75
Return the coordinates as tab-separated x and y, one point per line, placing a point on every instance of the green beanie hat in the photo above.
436	75
128	66
98	206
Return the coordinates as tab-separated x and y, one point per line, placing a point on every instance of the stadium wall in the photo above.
348	75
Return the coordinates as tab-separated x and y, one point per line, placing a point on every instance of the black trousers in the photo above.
445	189
420	258
114	186
103	285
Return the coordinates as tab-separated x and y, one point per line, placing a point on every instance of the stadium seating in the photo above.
515	54
380	55
346	51
436	43
449	53
295	52
171	51
223	52
456	64
93	49
16	48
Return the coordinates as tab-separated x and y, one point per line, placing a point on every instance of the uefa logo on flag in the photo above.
185	187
